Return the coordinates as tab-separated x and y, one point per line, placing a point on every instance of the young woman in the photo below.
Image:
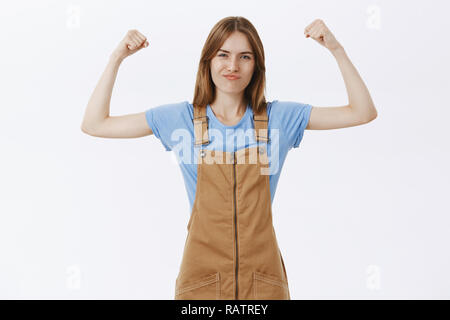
231	251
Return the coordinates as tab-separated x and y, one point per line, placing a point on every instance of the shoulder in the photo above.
286	105
167	116
291	118
171	107
287	109
169	112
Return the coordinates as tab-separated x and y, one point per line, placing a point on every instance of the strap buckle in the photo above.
202	142
263	138
201	117
260	119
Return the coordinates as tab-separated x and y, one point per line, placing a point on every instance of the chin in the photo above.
237	90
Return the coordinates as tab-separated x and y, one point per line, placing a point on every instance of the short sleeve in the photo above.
294	119
163	119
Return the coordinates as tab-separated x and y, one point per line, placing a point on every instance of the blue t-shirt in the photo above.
172	125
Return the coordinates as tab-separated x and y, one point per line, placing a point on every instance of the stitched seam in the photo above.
197	285
197	193
231	229
271	281
254	285
238	226
218	288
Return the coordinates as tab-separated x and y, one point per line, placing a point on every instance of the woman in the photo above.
231	251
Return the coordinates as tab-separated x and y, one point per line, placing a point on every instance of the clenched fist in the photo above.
131	43
318	31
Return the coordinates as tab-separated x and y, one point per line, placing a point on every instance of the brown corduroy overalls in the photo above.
231	251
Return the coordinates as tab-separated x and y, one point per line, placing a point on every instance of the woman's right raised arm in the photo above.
97	121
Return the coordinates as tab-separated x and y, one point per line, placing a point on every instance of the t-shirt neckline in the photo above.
212	116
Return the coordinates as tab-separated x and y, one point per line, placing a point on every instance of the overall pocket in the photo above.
269	287
206	287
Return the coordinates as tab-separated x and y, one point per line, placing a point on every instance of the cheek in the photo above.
216	67
250	70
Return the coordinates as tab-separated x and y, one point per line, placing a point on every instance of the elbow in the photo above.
84	128
371	116
93	128
374	114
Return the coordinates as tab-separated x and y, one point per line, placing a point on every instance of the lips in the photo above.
231	77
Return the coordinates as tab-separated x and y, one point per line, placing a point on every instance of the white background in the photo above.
360	212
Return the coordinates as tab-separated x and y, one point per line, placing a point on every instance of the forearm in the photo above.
358	94
98	107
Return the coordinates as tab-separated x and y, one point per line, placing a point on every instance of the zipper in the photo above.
235	224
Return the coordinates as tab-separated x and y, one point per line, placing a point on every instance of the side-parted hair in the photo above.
204	93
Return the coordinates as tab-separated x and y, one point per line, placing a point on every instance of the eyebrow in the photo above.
241	52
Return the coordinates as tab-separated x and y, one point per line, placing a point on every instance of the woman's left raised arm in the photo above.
360	109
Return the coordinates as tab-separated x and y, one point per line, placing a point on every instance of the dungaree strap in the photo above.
261	120
200	126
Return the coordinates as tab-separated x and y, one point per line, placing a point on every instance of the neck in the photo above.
228	106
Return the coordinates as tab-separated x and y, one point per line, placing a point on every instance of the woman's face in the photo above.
234	57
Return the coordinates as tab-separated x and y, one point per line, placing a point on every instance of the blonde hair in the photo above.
204	93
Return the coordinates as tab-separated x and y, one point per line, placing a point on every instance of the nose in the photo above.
233	65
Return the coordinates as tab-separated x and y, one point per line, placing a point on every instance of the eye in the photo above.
224	54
